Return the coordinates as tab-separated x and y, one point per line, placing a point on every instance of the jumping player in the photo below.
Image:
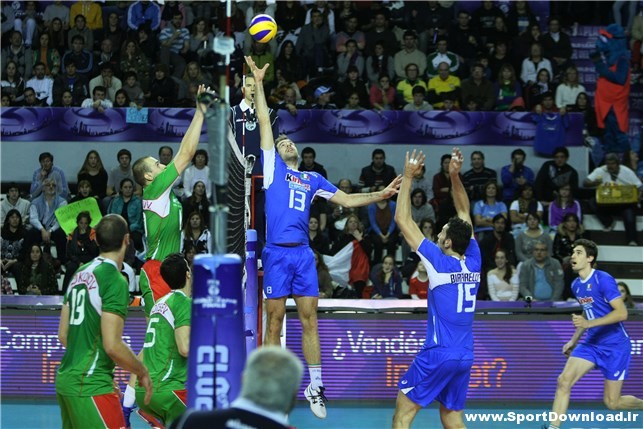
288	260
607	345
167	342
91	329
162	218
441	370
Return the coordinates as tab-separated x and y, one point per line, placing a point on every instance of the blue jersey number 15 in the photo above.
466	299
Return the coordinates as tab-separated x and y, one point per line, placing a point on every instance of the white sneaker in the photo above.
317	400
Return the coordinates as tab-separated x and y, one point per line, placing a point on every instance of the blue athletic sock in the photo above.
315	372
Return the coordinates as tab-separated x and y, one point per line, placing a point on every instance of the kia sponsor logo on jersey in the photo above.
586	300
294	182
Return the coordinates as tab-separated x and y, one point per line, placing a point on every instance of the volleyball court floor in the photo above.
29	414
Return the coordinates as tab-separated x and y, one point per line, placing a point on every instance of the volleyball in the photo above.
263	28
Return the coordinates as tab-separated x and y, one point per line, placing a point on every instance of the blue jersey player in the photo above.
441	370
288	260
606	346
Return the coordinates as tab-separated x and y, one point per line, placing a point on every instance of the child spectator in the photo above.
419	282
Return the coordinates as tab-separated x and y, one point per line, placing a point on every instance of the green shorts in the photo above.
85	412
165	405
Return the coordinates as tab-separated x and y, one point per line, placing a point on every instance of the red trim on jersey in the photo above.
182	395
110	410
157	284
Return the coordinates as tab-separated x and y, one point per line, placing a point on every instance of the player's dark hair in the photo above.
110	232
459	232
591	249
173	270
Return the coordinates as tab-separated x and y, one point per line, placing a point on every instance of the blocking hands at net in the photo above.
289	194
441	370
162	211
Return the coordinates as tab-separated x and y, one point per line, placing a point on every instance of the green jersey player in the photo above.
162	209
91	329
167	342
162	218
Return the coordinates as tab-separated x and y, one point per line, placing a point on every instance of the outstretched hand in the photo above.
392	188
457	159
202	89
413	164
257	73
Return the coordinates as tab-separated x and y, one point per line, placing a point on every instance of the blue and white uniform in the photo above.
441	370
608	347
288	260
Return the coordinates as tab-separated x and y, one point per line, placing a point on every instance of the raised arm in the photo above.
410	230
263	114
459	194
358	200
191	138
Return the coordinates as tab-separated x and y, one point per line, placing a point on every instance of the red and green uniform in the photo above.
168	369
84	382
162	215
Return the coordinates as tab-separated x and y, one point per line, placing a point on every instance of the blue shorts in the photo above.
438	375
614	361
289	270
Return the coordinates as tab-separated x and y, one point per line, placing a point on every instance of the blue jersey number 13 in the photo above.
297	200
466	300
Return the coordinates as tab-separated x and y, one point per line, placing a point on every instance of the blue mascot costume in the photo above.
612	62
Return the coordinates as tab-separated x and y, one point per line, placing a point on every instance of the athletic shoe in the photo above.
127	411
150	419
317	400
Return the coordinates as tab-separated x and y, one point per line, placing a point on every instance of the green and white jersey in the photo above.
97	287
162	215
168	369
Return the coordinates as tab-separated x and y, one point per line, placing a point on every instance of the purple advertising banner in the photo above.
319	126
517	357
515	360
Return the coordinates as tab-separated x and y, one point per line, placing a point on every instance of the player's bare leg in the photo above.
614	401
574	370
307	310
451	419
276	311
405	411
